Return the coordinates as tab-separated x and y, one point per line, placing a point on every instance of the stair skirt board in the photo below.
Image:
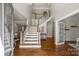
30	46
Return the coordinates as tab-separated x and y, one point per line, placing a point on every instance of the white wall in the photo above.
19	19
50	29
62	9
24	9
51	23
73	33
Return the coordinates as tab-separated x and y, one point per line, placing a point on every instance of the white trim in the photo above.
3	23
12	33
57	34
2	36
45	8
68	15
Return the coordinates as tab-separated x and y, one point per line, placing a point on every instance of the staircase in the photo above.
31	38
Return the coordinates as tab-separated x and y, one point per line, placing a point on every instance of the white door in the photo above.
61	33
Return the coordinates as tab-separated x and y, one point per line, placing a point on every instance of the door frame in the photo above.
57	33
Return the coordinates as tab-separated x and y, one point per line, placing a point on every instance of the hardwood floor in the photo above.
48	49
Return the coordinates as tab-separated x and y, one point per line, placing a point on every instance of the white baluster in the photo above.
20	37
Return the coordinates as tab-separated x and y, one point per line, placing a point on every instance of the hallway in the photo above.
48	49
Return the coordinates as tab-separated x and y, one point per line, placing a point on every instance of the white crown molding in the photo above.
40	8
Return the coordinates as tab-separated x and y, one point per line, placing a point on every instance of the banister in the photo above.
46	21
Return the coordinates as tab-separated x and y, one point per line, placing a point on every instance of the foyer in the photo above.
40	29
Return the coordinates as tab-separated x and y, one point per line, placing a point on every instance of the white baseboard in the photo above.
70	40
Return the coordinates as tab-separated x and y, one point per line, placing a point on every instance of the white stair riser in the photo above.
30	46
30	39
31	42
31	33
30	36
